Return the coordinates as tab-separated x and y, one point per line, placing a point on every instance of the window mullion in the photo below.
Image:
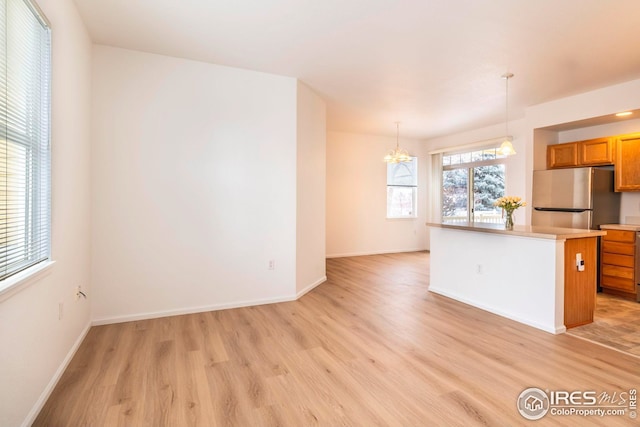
470	201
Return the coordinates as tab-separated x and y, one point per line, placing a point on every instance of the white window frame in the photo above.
413	186
25	239
469	165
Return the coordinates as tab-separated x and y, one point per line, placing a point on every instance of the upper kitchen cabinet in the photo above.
562	155
628	162
592	152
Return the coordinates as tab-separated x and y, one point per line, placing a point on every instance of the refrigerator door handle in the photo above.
572	210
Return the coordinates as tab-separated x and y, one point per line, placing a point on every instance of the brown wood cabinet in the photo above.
627	162
562	155
617	262
579	286
592	152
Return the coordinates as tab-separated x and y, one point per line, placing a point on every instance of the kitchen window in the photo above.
471	182
402	189
25	69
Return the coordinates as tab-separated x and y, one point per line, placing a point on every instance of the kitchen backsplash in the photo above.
630	207
632	219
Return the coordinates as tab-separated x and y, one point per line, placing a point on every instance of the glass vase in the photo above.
508	220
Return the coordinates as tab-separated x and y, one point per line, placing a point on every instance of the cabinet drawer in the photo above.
616	271
620	260
620	236
618	248
618	283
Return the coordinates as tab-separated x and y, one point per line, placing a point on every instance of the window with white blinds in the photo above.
402	189
24	137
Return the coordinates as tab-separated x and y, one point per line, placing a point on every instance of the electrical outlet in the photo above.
479	268
60	310
272	264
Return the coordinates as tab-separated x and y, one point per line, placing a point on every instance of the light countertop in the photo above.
537	232
626	227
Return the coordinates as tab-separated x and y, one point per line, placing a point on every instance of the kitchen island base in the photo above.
529	275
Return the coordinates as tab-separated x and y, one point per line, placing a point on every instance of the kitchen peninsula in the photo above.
528	274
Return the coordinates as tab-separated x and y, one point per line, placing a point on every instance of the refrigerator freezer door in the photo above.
561	219
562	188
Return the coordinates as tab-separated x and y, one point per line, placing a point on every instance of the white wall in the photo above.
596	103
514	165
311	197
34	345
629	201
531	139
193	186
356	197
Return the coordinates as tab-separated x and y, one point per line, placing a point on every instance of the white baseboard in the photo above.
204	308
391	251
35	410
544	327
311	286
188	310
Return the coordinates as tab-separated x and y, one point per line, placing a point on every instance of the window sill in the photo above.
24	279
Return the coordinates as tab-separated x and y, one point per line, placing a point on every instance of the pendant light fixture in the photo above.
397	155
506	148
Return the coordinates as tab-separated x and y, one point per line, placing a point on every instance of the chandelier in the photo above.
397	155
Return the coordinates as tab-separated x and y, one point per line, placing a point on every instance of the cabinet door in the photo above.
596	152
562	155
627	162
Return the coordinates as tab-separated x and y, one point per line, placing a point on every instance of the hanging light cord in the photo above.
506	77
506	105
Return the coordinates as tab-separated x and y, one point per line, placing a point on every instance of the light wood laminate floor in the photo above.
370	347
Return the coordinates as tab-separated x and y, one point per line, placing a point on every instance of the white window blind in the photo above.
24	137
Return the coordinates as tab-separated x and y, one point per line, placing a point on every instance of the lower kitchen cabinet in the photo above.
617	263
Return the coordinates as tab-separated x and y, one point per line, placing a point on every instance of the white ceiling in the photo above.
434	65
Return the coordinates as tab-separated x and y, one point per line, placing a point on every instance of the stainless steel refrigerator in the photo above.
575	198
